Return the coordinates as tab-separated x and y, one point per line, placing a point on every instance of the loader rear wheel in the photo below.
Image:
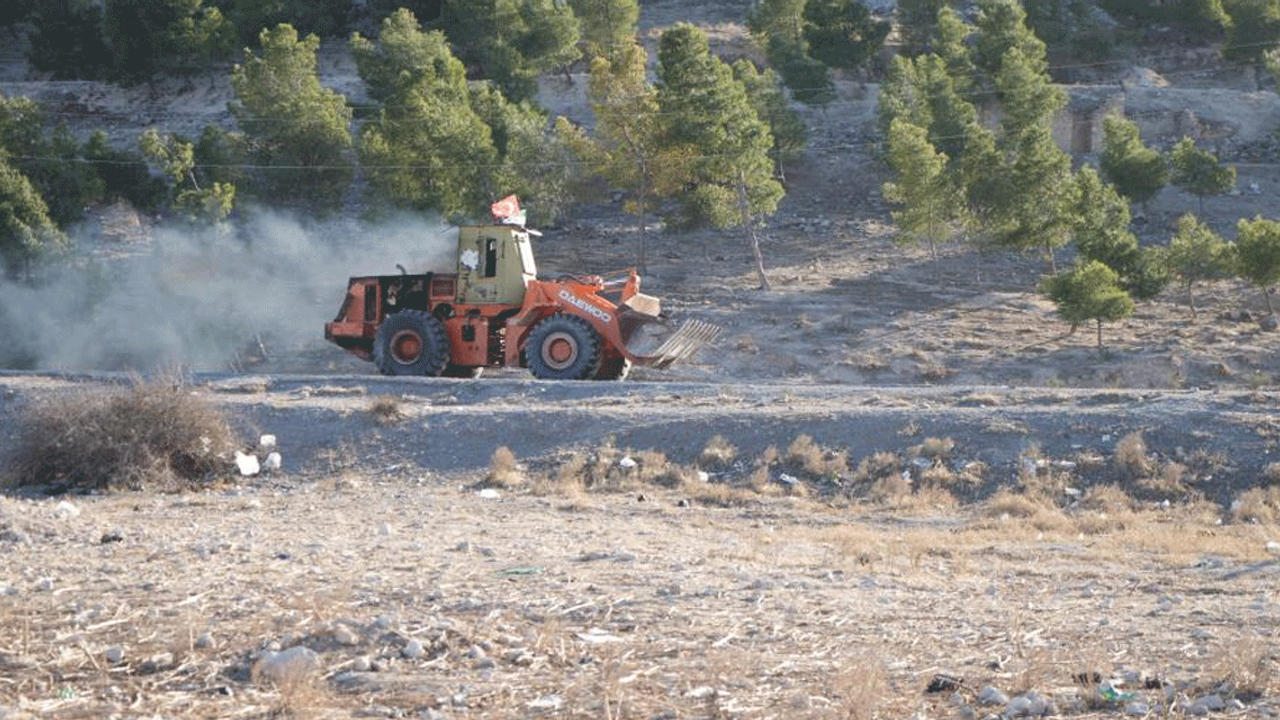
411	342
563	347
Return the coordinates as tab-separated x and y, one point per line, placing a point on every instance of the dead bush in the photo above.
818	462
1131	459
1257	505
718	455
504	471
155	435
386	410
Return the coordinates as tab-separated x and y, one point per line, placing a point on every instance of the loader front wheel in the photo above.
563	347
411	342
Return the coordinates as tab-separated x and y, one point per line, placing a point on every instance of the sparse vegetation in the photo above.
151	434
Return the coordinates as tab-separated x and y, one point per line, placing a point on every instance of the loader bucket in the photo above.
652	343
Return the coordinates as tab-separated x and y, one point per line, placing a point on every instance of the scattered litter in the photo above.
627	462
488	494
944	683
546	702
596	635
788	480
247	464
272	462
522	570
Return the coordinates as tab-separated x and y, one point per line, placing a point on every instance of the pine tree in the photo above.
26	232
953	47
776	21
627	145
533	161
1198	171
512	41
147	35
728	181
1196	253
1138	172
778	28
1100	229
427	149
1258	254
1088	291
764	90
297	128
928	201
918	24
607	26
842	33
199	205
1002	26
1252	31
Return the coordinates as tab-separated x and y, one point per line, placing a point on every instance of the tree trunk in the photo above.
752	239
1191	301
642	201
1099	337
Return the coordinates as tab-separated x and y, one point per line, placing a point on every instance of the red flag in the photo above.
508	206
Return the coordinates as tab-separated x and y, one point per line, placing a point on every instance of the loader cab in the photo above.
495	264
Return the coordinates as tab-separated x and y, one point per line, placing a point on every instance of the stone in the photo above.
114	654
344	635
414	649
990	695
287	667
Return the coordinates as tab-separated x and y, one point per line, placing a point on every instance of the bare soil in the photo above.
991	498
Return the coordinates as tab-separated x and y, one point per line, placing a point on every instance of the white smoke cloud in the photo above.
197	300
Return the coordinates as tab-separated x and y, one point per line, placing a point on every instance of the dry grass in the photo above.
504	470
1131	459
1257	505
818	462
386	410
156	434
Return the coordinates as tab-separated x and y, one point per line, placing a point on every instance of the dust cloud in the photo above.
207	301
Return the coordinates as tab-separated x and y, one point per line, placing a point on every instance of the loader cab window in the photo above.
490	257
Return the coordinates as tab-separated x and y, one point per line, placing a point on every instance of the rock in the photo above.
267	442
287	667
272	462
362	664
344	635
205	641
67	510
1018	707
414	649
1136	707
992	696
1207	704
1268	323
114	654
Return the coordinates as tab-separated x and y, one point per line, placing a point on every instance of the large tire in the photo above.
411	342
563	347
613	368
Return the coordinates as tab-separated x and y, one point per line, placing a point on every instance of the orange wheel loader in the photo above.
495	312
